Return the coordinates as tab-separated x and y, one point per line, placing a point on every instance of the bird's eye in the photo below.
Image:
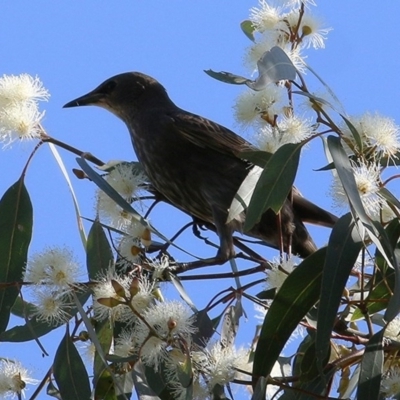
108	87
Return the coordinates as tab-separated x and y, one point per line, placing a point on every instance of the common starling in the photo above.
194	163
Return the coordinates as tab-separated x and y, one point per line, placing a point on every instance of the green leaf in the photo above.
268	294
109	190
182	291
142	389
205	328
60	163
242	198
273	66
393	307
317	388
354	132
158	382
230	324
377	233
15	235
105	387
99	255
260	389
298	367
371	369
379	297
52	391
390	161
274	183
328	167
227	77
385	193
309	365
248	29
345	172
22	308
344	246
352	384
104	333
70	372
314	98
326	86
185	376
298	294
383	282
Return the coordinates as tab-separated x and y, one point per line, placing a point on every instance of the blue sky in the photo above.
73	46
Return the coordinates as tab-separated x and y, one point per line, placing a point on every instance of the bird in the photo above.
194	163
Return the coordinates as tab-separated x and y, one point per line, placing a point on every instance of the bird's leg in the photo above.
225	230
226	249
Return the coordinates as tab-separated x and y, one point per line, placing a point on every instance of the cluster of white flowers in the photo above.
160	334
280	270
293	30
13	379
211	366
390	384
19	109
128	182
377	144
377	133
53	273
113	304
367	178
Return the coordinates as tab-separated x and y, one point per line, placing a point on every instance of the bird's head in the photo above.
123	94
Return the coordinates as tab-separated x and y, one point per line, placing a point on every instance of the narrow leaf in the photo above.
273	66
109	190
52	391
60	163
15	235
248	29
104	387
99	255
104	333
345	173
205	328
141	386
344	246
260	389
22	308
316	99
230	324
227	77
274	183
182	291
369	383
70	372
393	307
389	197
354	132
298	294
328	89
243	196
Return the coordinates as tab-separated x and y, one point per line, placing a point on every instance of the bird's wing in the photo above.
310	212
207	134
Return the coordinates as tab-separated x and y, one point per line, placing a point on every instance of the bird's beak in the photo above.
91	98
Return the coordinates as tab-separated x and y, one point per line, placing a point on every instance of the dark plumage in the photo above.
194	163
